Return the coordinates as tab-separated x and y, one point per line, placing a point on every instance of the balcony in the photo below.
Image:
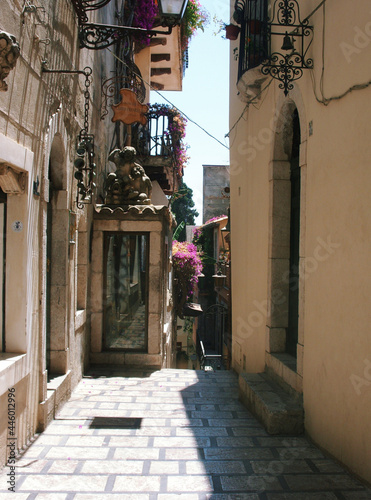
254	45
160	148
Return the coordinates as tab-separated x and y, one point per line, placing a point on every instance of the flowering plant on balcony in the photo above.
145	13
195	18
176	131
187	266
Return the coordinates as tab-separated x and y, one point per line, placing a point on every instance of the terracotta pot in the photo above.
232	31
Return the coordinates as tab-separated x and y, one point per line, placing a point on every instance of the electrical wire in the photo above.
251	101
167	100
323	99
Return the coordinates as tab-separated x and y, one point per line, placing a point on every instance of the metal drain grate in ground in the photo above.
115	423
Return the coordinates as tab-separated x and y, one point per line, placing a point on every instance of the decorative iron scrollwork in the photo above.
82	6
100	36
111	87
84	163
97	36
288	67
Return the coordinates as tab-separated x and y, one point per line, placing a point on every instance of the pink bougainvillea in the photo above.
176	130
213	219
144	17
187	264
195	17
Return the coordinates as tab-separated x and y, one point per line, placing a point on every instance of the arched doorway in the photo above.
285	228
57	226
294	264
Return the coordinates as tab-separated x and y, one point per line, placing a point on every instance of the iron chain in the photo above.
87	73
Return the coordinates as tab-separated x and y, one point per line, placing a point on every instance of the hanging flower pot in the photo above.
232	31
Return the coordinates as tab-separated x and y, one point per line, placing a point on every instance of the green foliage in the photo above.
183	209
195	18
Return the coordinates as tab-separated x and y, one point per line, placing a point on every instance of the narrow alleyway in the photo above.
170	434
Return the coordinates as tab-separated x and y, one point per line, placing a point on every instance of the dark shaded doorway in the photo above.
295	178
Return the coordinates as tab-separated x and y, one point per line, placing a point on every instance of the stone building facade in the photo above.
51	95
215	191
300	218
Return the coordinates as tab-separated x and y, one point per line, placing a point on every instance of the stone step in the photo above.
279	412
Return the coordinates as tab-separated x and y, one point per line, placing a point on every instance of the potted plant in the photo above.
232	31
194	18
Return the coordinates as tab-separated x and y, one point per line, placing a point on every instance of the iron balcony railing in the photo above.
155	138
254	36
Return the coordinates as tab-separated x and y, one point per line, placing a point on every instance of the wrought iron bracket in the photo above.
100	36
85	166
82	6
286	23
86	71
29	8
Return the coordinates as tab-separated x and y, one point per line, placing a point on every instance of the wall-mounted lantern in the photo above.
100	36
296	36
172	10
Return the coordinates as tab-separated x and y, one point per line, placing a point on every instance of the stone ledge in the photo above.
13	368
126	359
282	368
279	412
58	392
80	319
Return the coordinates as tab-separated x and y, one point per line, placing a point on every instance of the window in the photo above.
253	17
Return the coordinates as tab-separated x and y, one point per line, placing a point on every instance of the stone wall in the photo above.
215	199
40	116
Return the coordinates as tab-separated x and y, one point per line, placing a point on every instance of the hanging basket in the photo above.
232	31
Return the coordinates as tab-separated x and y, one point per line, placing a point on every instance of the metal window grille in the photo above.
254	37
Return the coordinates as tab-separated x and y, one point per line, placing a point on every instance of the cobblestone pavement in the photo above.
170	434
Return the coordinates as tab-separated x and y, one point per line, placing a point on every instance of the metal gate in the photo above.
212	331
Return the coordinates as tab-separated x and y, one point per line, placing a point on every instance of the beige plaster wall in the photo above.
249	242
337	348
334	355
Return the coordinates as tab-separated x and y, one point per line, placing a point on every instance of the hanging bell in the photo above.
287	42
79	163
81	148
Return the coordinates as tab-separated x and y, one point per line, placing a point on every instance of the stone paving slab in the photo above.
166	435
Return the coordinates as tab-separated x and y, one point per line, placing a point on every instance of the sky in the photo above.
205	99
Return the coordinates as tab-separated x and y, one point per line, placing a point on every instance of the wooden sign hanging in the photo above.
129	110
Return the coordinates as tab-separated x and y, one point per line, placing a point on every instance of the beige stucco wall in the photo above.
335	351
